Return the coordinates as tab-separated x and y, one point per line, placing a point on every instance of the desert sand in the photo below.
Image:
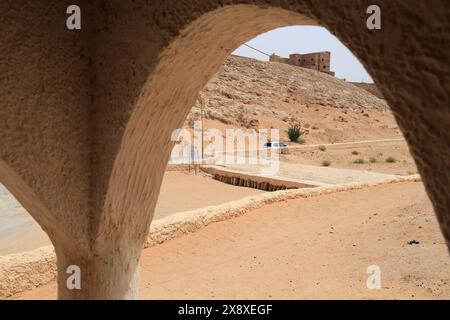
180	191
317	247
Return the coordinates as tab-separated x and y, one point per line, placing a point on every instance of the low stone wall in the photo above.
27	270
182	223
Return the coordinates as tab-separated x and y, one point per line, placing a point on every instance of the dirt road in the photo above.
180	191
316	247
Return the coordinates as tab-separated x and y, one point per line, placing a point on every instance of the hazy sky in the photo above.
304	39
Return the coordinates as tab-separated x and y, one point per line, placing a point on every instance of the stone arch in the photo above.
184	67
109	144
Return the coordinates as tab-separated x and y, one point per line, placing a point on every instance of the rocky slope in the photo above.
248	93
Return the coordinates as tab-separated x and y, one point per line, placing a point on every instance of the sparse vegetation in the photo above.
373	160
359	161
390	160
294	133
326	163
322	148
355	153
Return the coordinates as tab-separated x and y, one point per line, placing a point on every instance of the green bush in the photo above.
326	163
359	161
355	153
322	148
294	133
390	160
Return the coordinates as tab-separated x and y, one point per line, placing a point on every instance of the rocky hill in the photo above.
248	93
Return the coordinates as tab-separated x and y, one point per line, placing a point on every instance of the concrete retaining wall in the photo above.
27	270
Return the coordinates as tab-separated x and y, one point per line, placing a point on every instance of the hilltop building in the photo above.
319	61
275	58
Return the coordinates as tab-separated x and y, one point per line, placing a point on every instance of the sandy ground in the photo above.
374	157
317	247
180	191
